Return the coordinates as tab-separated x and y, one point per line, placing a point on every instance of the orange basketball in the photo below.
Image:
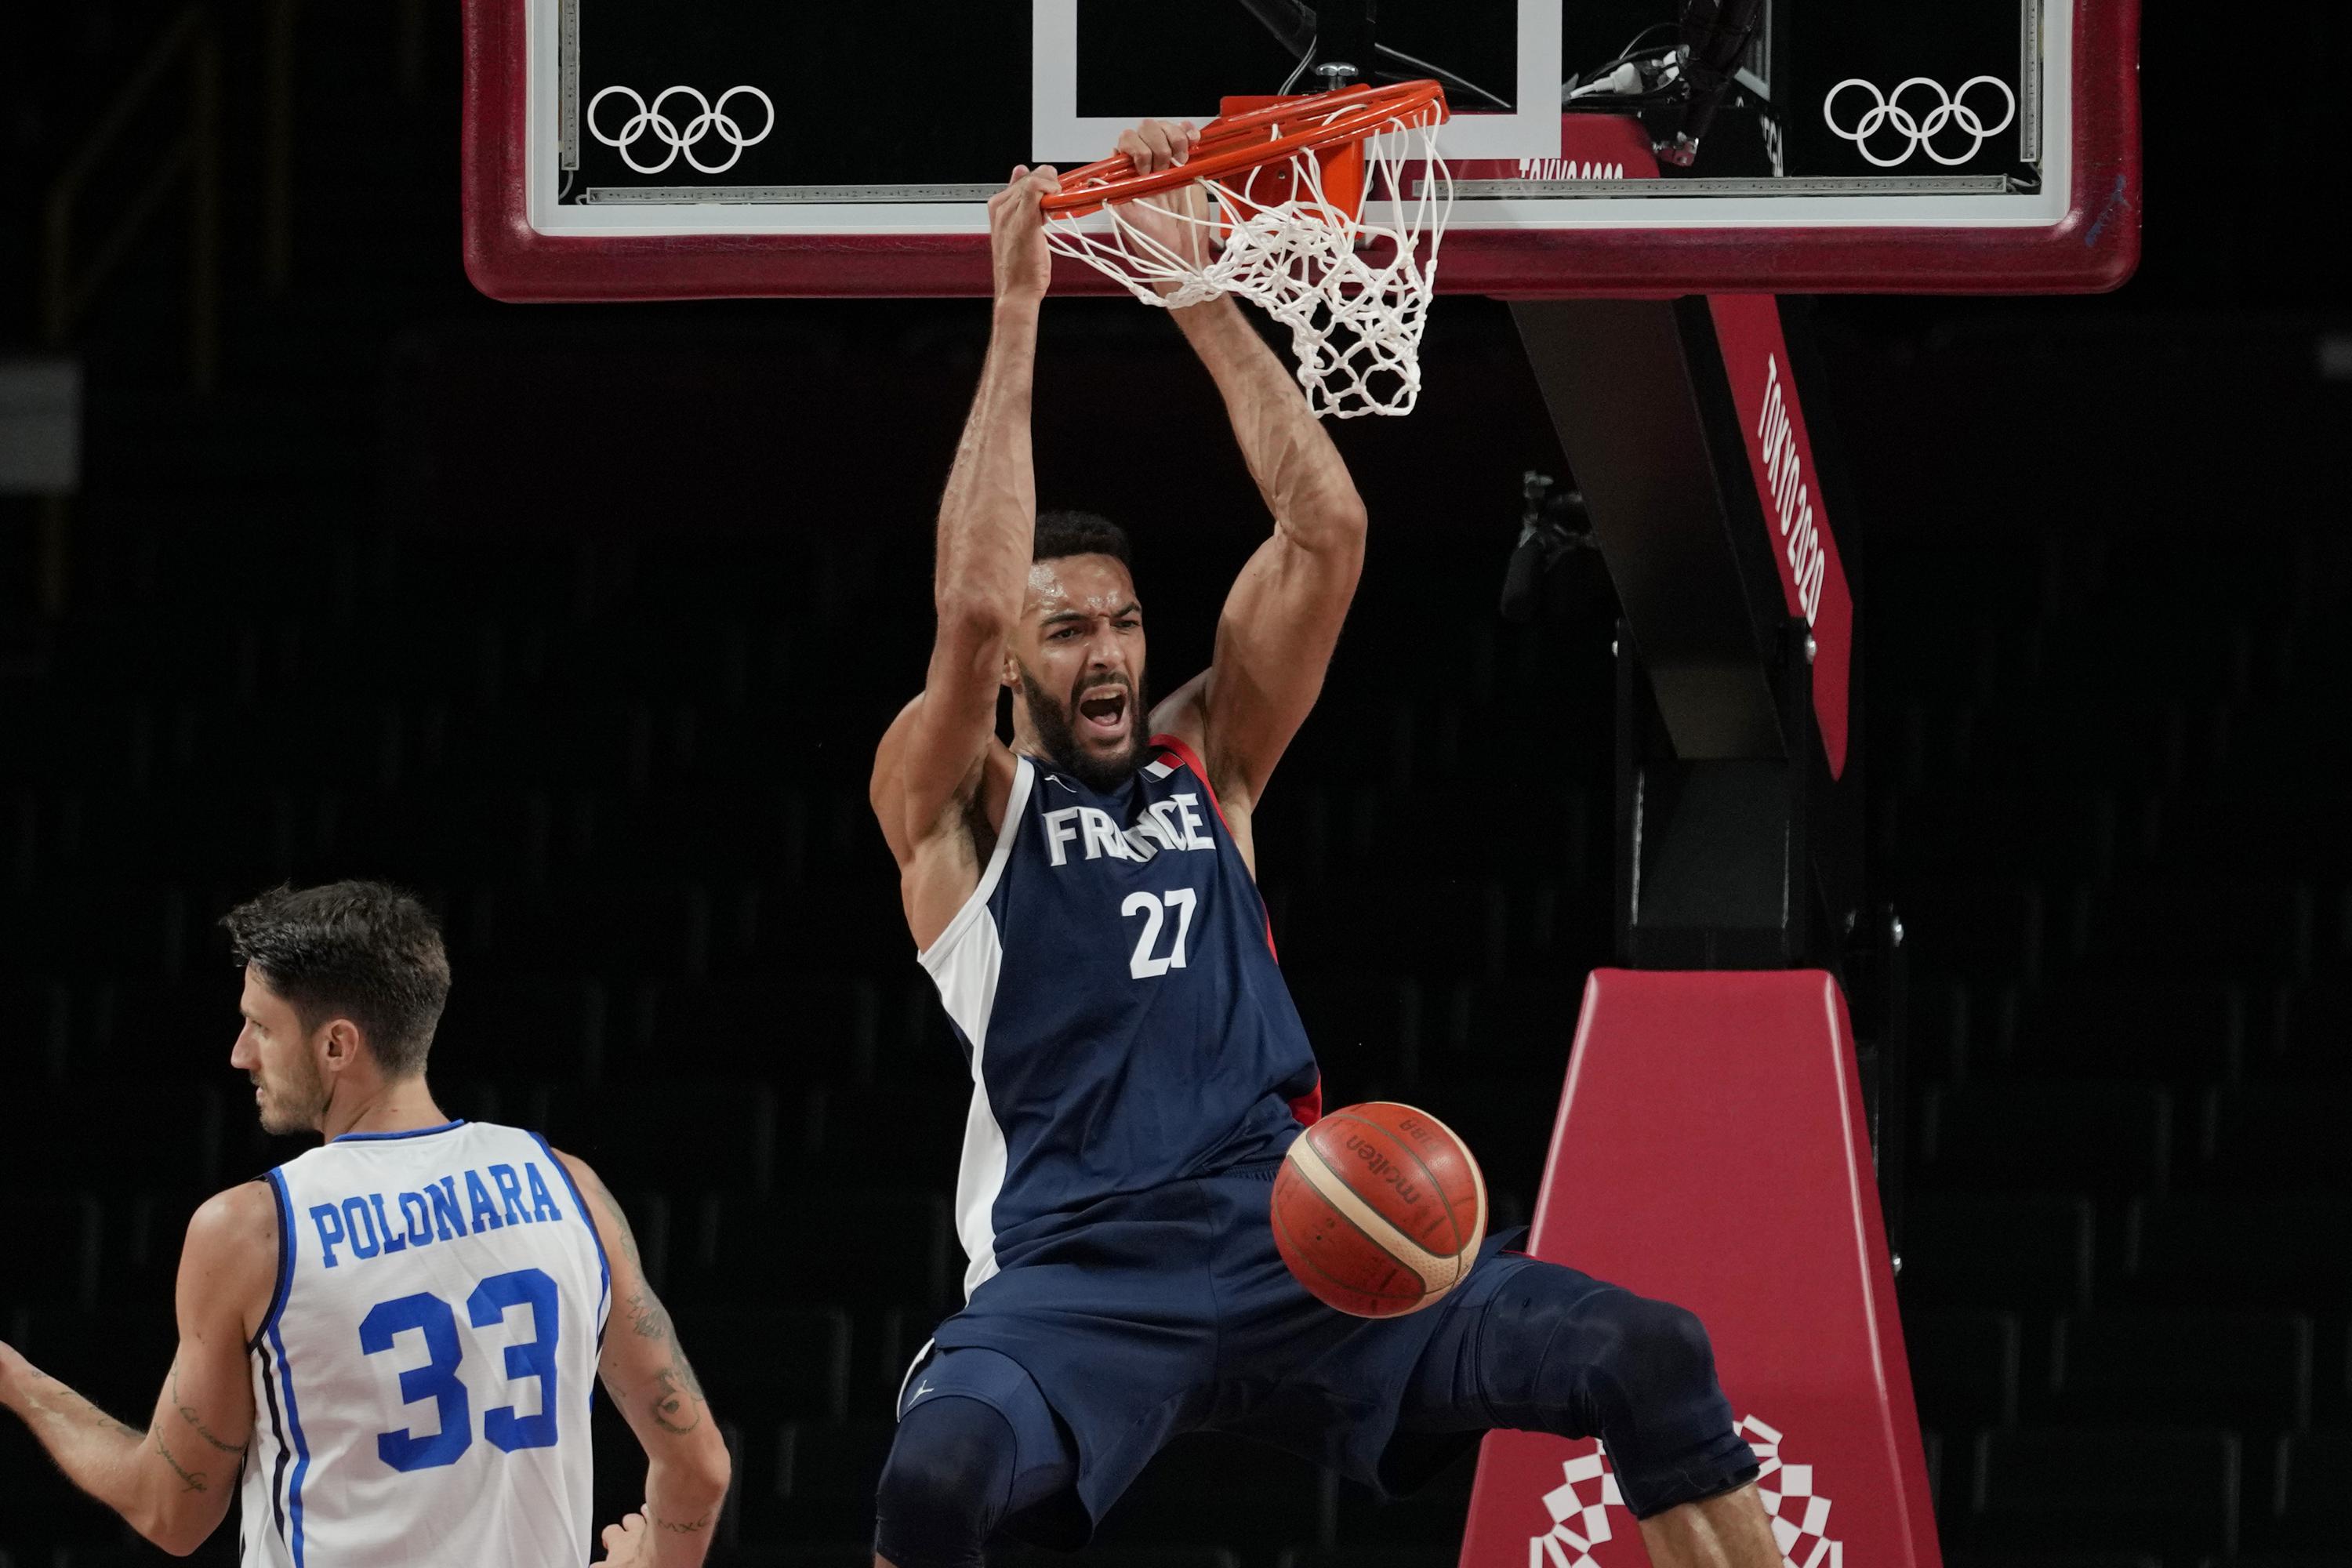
1379	1209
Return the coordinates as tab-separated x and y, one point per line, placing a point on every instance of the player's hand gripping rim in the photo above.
1016	235
1176	221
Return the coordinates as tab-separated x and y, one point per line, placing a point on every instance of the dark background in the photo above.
582	621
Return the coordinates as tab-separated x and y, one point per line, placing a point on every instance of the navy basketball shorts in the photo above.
1167	1312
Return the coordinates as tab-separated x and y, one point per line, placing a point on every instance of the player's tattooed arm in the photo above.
173	1481
675	1397
657	1391
98	1453
57	1414
196	1422
613	1224
679	1405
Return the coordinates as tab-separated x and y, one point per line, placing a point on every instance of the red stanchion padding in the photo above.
1711	1150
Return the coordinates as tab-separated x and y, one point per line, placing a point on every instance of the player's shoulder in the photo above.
988	786
582	1177
233	1240
580	1170
891	749
245	1210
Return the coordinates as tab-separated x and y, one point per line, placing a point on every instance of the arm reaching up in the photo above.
942	754
1282	619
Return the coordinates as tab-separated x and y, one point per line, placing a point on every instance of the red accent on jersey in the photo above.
1192	759
1308	1107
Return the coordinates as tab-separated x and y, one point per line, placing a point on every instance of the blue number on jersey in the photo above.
488	1305
438	1379
435	1380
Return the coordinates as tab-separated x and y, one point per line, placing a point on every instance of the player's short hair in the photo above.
1061	534
363	951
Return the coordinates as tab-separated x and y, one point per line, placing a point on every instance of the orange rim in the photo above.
1232	144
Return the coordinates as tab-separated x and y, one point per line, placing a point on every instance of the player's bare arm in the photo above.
172	1482
940	765
645	1370
1282	619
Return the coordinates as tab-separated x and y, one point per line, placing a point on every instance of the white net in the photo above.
1351	278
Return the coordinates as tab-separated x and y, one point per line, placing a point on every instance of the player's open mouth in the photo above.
1103	713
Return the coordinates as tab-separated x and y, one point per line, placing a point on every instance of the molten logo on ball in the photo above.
1379	1209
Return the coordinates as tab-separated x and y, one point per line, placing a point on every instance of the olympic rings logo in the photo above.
1951	108
712	120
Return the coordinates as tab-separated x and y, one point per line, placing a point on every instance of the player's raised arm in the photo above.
644	1369
172	1482
932	758
1282	619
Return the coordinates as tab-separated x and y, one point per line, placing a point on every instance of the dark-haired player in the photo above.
386	1344
1086	902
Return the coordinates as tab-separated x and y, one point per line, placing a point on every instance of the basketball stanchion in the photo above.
1712	1149
1298	205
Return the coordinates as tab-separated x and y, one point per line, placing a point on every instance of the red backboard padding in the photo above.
1711	1150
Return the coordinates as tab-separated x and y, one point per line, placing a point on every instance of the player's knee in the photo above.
1662	1412
1590	1354
944	1486
1565	1353
1658	1359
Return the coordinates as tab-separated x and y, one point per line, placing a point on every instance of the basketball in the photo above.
1379	1209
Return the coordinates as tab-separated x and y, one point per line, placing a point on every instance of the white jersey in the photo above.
421	1382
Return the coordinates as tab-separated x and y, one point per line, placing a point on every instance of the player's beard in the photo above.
1059	737
295	1101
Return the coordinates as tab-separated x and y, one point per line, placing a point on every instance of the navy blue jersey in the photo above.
1115	988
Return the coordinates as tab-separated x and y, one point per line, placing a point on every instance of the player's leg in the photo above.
976	1445
1536	1347
1729	1530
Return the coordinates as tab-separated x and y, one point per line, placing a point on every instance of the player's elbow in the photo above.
697	1480
972	621
178	1535
1345	516
717	1470
1333	524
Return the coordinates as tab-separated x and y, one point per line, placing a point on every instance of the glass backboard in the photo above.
633	149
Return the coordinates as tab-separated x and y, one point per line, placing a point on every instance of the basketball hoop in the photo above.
1272	207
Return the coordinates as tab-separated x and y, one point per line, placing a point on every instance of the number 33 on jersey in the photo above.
427	1363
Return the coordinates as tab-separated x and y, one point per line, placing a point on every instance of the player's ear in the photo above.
342	1043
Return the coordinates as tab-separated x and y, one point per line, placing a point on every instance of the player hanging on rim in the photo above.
1085	900
385	1344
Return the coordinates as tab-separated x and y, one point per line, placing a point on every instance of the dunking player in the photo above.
1084	900
390	1338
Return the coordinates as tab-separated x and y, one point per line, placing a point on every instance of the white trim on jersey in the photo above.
964	962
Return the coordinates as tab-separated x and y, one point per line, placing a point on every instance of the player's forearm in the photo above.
989	514
1298	471
682	1502
110	1460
